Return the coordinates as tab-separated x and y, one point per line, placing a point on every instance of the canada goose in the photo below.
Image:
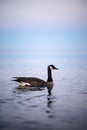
36	82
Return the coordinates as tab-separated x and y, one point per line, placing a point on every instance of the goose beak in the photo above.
56	68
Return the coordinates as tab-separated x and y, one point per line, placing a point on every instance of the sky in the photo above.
44	25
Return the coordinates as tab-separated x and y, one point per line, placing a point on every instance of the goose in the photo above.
36	82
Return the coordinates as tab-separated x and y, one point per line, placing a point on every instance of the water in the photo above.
65	109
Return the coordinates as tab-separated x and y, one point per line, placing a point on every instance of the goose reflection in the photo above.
49	103
50	109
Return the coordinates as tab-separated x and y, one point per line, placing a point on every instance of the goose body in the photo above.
36	82
30	81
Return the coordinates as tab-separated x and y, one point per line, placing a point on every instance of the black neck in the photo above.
49	75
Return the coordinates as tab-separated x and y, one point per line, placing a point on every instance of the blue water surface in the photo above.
65	109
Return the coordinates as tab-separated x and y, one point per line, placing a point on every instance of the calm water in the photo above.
65	109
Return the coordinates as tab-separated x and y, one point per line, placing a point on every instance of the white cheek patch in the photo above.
51	68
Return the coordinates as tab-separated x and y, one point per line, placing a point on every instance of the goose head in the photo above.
52	67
